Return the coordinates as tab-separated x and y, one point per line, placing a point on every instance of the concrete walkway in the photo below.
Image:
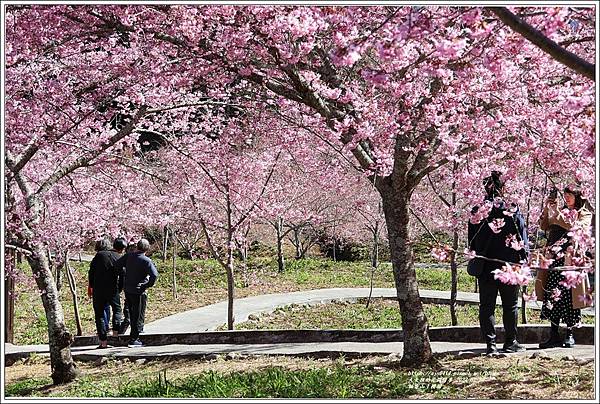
210	317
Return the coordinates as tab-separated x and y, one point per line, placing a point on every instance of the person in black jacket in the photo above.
498	236
103	287
139	275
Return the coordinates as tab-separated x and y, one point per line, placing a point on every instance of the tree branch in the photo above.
540	40
89	156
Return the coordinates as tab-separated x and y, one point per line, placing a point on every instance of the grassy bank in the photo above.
372	377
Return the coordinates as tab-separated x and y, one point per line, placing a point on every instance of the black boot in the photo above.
554	340
569	340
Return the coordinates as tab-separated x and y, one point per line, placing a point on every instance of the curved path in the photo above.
208	318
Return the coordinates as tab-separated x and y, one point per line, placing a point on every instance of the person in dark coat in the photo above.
103	288
495	237
119	246
139	275
132	247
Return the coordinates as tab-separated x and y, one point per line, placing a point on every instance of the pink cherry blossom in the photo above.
439	253
496	225
513	275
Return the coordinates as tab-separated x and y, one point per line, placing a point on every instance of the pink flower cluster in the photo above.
512	242
470	254
496	225
439	254
513	275
481	213
572	278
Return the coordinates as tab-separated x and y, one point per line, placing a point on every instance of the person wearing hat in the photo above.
138	275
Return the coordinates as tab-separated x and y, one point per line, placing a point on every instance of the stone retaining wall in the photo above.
528	334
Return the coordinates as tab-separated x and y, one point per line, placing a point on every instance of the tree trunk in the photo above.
174	271
417	348
375	254
374	261
230	288
280	257
60	339
334	246
54	269
73	288
165	243
454	274
453	265
297	232
524	288
9	299
244	254
229	264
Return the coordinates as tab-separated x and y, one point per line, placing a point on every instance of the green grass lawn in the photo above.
381	313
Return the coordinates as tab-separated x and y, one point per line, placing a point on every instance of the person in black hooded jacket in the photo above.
498	236
103	287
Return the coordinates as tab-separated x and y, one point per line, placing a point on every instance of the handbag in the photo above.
475	267
581	289
541	277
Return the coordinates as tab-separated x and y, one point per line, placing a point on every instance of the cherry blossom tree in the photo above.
400	92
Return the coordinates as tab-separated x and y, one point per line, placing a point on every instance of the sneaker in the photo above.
135	344
491	349
569	341
513	347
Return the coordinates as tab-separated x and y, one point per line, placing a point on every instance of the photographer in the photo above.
561	303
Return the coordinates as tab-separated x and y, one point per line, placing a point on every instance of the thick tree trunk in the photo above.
280	257
417	348
60	339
